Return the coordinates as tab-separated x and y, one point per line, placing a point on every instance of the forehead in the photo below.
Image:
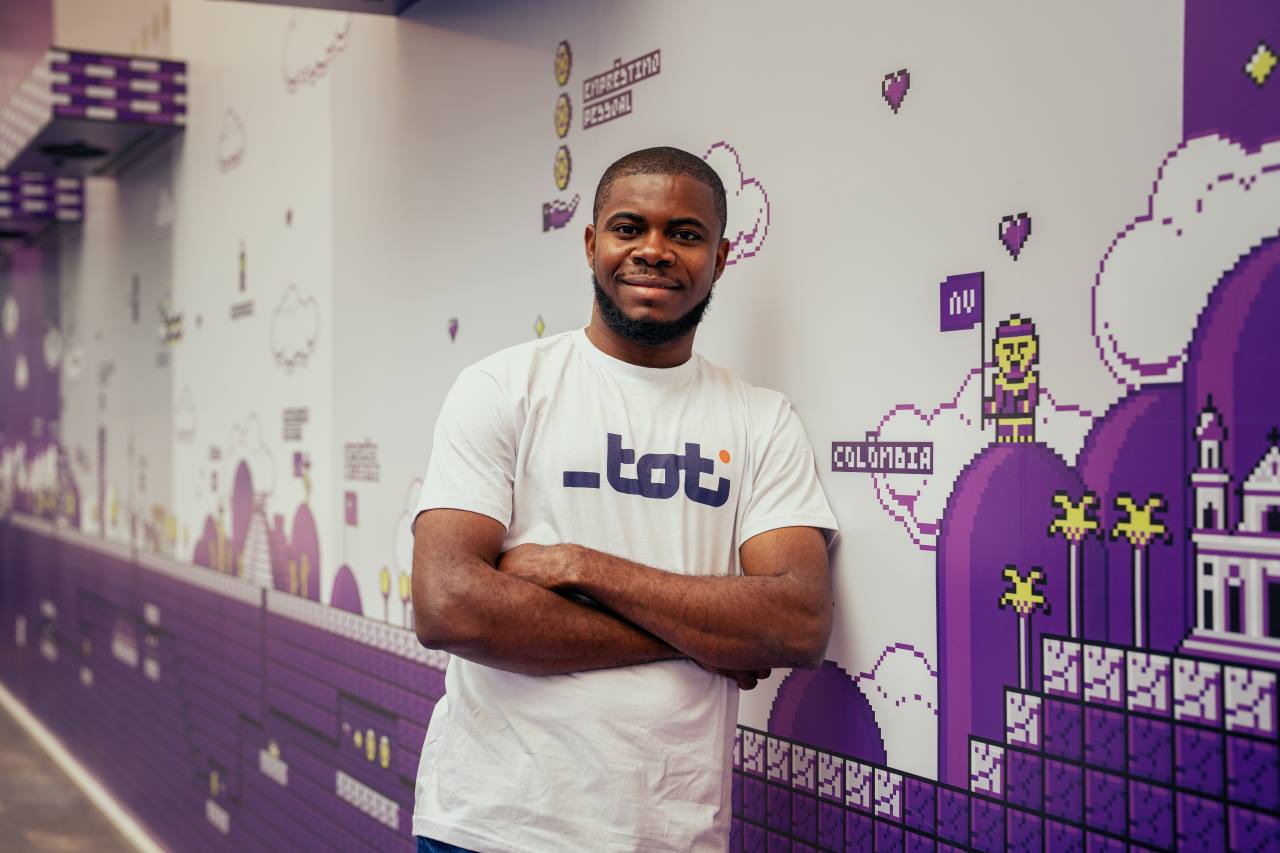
660	197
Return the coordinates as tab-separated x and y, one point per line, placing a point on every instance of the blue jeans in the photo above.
430	845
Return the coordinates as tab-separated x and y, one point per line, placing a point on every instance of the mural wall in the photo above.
1018	270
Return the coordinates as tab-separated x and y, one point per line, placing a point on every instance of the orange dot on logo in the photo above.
724	456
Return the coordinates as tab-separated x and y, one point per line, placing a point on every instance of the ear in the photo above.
722	255
589	239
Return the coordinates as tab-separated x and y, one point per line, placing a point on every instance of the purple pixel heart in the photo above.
894	88
1014	231
453	328
748	203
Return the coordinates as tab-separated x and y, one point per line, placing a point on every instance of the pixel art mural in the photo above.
1058	593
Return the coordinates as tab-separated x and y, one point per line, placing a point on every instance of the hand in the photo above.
547	566
746	679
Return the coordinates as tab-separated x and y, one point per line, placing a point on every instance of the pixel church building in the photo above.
1237	572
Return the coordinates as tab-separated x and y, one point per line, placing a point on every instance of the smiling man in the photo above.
614	536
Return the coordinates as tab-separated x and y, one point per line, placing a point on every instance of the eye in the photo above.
626	229
687	235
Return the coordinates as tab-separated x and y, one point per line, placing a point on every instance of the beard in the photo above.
649	333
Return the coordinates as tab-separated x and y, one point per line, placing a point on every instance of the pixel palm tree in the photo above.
384	584
1075	524
1139	526
1024	598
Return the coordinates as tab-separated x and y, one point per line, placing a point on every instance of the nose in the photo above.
654	250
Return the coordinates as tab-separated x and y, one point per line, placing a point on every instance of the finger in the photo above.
762	674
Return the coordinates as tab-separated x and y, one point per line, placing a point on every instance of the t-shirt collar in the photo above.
616	366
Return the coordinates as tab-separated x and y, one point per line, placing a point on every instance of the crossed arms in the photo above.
505	610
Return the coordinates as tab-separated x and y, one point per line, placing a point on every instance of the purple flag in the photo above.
960	302
349	504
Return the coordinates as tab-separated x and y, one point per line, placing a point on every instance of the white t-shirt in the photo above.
674	468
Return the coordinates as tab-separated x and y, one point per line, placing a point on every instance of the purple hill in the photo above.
825	708
999	514
345	594
1136	449
1233	355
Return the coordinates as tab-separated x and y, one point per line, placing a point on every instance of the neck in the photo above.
609	342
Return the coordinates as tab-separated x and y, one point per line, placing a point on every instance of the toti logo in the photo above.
692	463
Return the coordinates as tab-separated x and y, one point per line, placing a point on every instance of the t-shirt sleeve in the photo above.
785	491
473	453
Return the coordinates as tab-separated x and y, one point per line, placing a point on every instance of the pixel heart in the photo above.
748	203
894	88
1014	231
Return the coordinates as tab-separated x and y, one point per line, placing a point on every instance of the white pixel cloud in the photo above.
1212	203
295	324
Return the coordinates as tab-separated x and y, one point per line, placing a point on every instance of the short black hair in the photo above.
663	160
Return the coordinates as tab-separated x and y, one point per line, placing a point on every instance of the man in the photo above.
613	536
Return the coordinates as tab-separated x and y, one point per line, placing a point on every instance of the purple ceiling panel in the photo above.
32	202
375	7
91	113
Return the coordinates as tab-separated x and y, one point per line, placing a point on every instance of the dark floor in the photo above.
40	807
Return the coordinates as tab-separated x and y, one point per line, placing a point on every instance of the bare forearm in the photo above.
735	622
506	623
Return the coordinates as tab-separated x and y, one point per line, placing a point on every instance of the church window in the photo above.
1235	609
1273	608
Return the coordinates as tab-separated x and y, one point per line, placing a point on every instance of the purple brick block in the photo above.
1062	729
1200	823
920	804
735	835
753	753
917	843
857	831
753	799
779	807
1095	843
1250	701
804	769
736	794
888	795
1104	738
830	826
1151	814
1062	838
1063	790
1253	831
888	837
1104	801
1198	759
1253	772
778	760
754	838
804	817
986	826
830	776
1024	774
779	843
953	815
1151	749
1024	833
